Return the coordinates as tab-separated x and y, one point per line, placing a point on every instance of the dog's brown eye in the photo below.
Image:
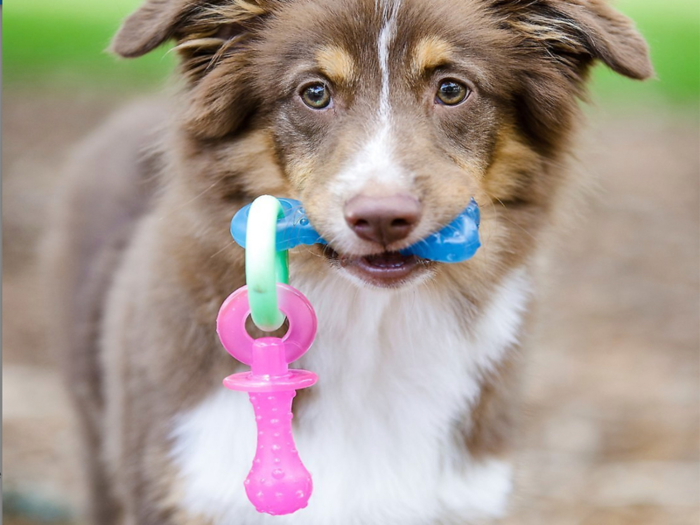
316	96
451	93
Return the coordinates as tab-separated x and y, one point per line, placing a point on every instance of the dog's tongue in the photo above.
388	260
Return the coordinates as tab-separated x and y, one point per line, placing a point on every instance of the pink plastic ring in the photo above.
230	323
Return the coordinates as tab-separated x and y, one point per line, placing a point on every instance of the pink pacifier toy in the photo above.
278	483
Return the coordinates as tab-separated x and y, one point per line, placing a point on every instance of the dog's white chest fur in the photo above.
396	374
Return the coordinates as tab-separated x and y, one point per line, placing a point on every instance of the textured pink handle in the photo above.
278	483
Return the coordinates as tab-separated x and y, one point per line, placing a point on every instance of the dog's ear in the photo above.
210	39
200	28
556	43
611	37
150	26
577	32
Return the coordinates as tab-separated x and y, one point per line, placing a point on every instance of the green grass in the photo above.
64	50
62	43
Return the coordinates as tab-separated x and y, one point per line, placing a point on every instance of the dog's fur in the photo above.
411	420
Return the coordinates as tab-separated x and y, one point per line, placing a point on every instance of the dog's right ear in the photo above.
150	26
200	28
210	37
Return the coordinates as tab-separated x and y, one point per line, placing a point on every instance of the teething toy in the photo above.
278	482
293	226
456	242
265	264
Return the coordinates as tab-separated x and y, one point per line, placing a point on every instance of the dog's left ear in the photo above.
577	32
557	42
611	37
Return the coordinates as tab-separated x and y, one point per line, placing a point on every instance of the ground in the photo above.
611	424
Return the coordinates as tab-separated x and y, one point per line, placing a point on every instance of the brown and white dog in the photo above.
384	117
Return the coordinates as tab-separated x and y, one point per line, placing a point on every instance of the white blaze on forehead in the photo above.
386	36
374	162
374	167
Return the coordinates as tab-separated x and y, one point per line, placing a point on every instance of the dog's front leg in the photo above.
160	357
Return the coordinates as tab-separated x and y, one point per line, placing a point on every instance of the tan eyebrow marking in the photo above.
336	63
430	52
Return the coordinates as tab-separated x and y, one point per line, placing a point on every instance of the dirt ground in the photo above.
612	425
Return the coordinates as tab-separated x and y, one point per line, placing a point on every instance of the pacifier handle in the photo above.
278	482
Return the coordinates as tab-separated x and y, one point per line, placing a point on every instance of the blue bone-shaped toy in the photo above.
456	242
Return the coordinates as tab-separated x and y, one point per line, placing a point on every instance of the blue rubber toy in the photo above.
456	242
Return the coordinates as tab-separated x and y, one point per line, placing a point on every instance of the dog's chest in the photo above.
397	373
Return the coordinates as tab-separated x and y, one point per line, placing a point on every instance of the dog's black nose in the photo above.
382	219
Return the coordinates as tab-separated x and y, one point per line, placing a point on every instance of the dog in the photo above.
384	118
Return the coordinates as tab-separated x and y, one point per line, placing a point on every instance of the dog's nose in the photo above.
382	219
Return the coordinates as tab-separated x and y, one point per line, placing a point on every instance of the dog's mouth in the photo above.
384	270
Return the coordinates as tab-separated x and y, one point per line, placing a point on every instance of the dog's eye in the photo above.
316	96
451	93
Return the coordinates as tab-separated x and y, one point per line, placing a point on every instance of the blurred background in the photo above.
611	431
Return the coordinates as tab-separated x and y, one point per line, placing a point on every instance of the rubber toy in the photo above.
278	483
456	242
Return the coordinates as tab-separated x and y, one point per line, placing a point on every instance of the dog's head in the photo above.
384	117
